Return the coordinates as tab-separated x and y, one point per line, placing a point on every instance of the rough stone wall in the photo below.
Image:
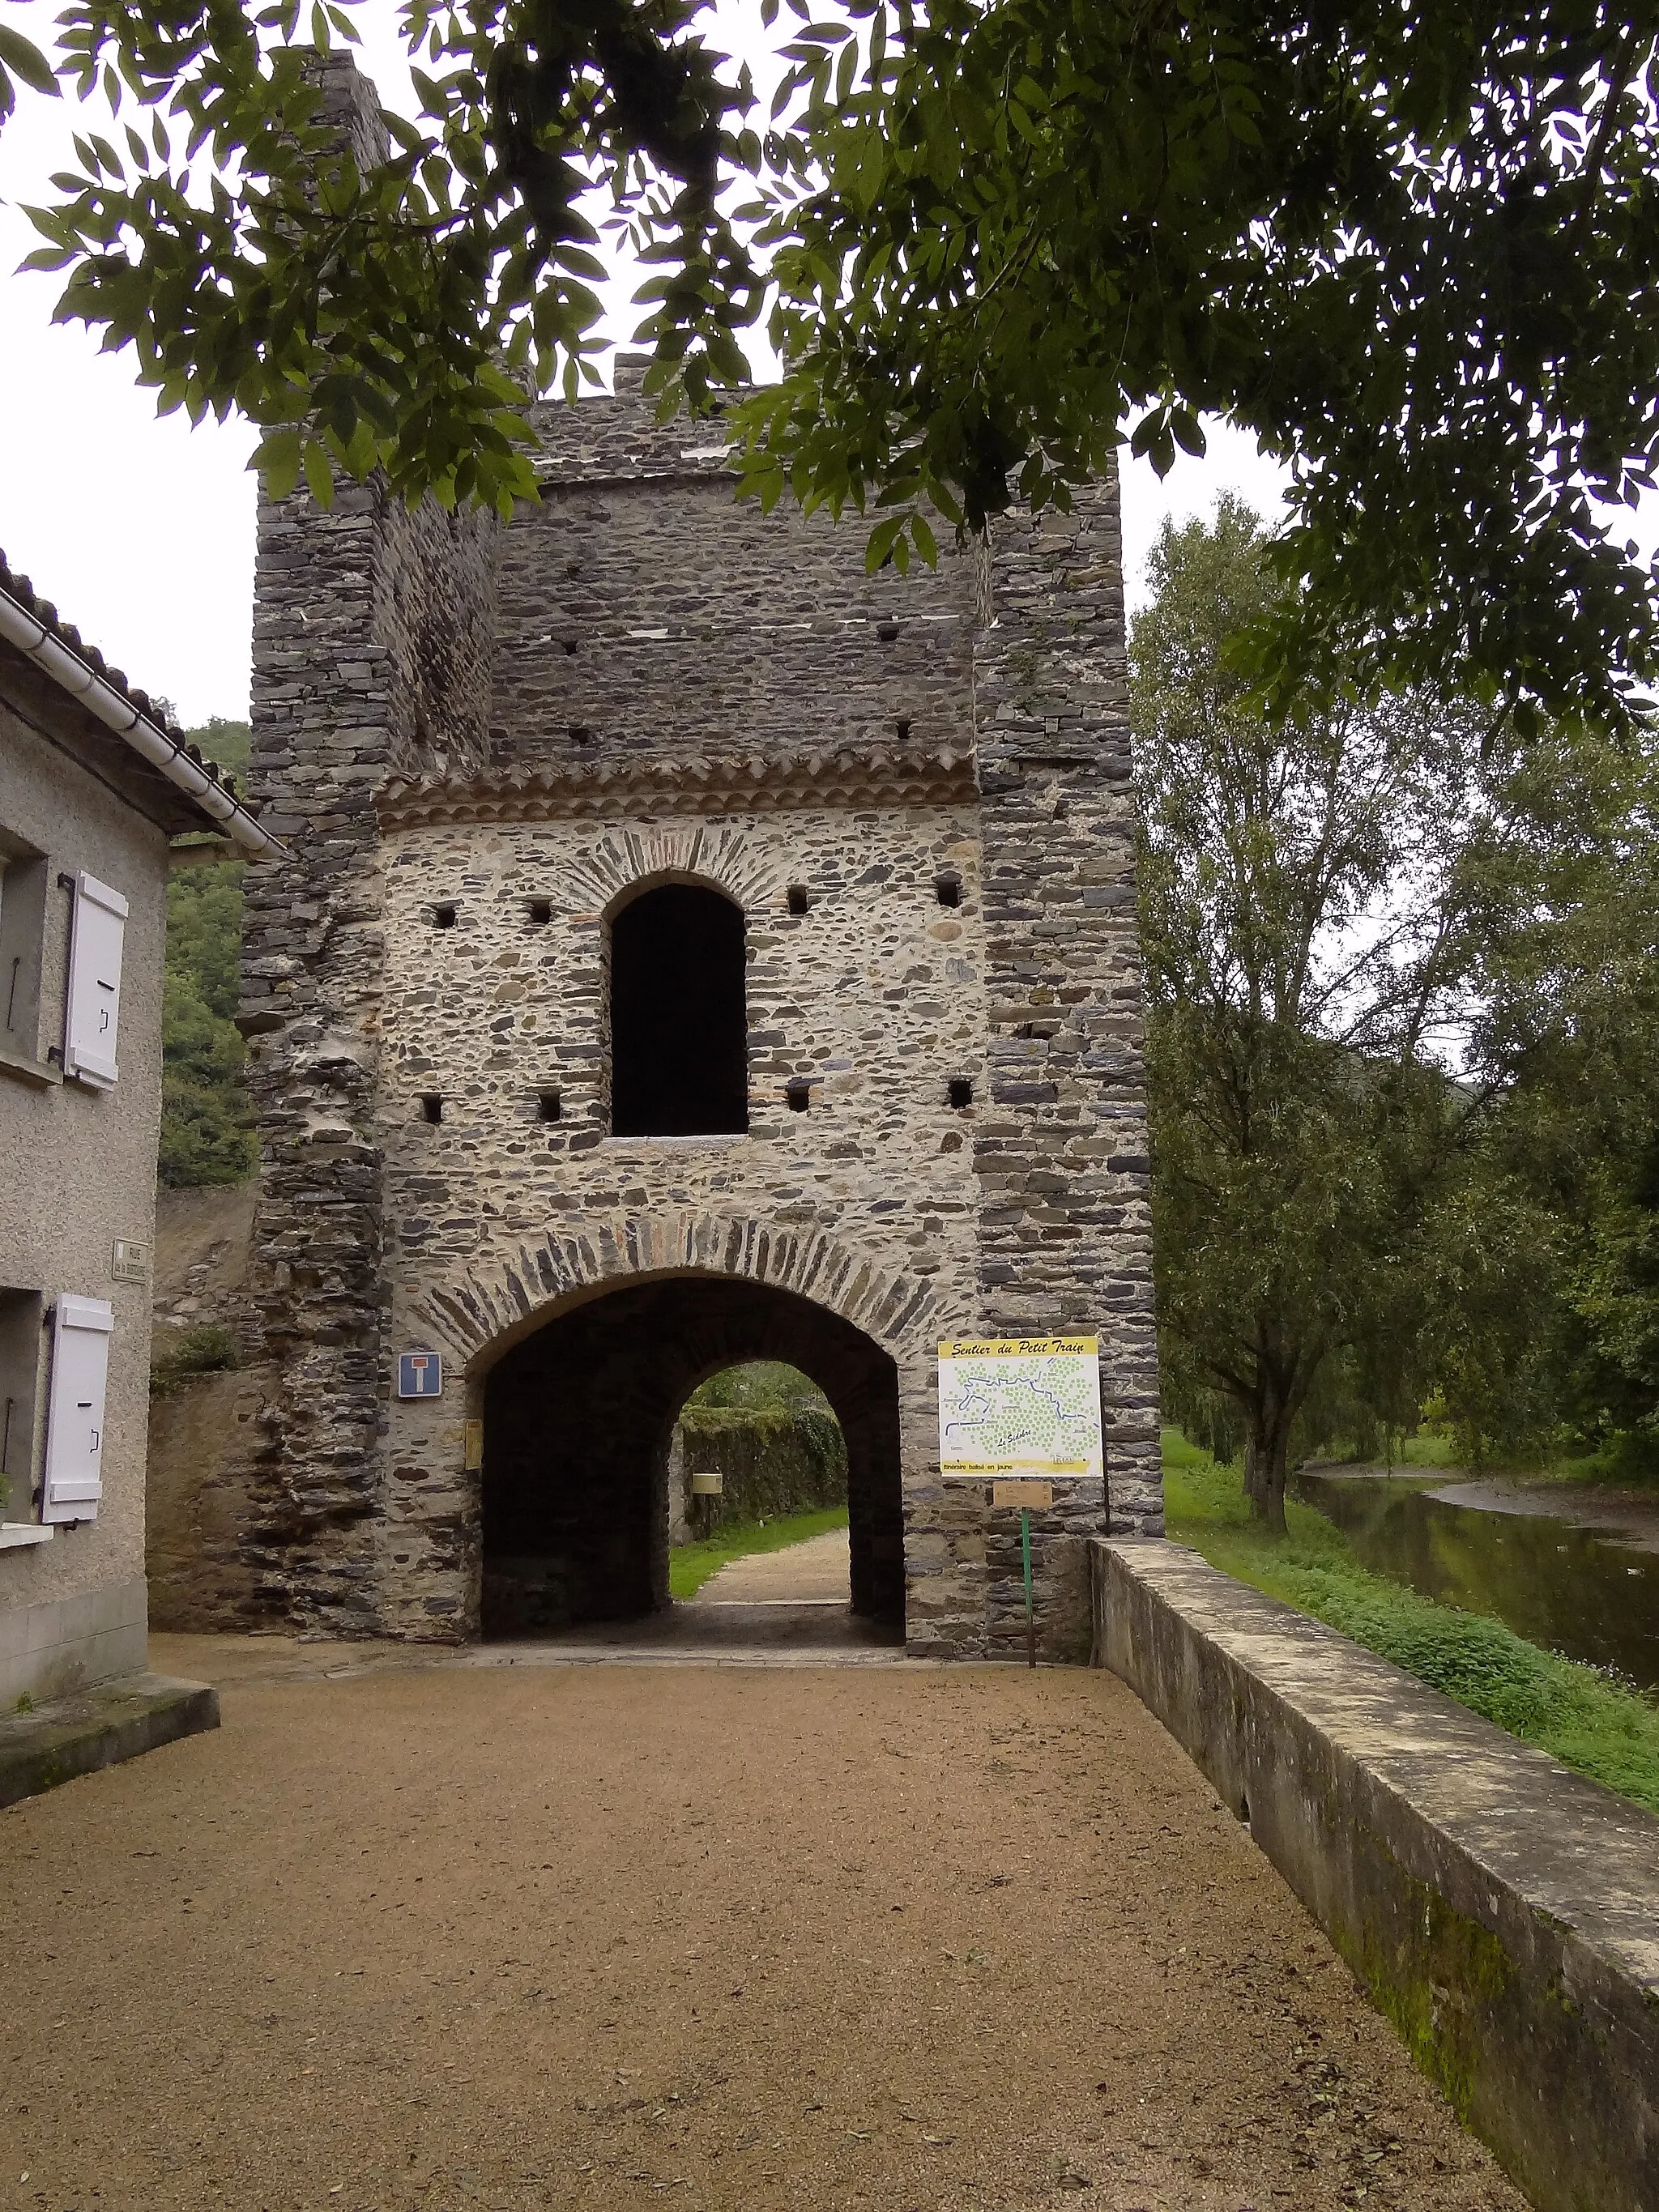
873	995
435	609
642	610
1062	1153
345	684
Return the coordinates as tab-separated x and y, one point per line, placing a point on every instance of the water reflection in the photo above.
1570	1589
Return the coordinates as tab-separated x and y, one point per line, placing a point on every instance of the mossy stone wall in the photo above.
775	1460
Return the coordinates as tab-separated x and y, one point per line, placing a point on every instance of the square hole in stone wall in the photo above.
540	912
432	1108
947	887
548	1106
799	902
961	1090
443	915
799	1091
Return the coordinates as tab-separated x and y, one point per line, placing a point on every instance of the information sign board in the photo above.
1020	1406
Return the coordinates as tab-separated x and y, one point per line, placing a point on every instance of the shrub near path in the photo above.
1587	1719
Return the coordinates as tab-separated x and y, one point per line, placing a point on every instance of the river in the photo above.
1590	1591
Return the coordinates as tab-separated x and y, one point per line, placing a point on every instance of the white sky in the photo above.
141	529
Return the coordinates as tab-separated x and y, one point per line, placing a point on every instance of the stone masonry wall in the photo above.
874	995
347	679
1061	1154
435	610
643	611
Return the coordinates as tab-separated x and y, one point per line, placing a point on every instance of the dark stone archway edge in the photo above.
1503	1912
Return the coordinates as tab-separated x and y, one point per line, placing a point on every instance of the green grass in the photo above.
689	1566
1429	1448
1586	1718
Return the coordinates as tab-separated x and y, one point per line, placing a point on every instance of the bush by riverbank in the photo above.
1578	1715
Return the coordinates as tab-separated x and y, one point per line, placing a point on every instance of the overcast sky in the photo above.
141	529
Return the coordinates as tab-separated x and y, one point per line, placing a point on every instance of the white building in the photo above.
95	787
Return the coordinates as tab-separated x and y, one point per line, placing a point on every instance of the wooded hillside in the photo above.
207	1133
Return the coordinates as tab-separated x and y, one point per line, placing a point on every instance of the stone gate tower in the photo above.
692	950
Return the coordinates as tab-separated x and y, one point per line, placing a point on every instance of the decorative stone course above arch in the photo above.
503	1301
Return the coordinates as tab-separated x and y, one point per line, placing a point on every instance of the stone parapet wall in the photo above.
1502	1912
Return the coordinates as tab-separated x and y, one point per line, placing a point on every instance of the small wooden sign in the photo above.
1022	1490
711	1484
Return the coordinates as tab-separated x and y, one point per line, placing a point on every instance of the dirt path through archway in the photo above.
812	1573
902	1940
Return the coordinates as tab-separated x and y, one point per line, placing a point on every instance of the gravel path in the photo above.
814	1573
965	1940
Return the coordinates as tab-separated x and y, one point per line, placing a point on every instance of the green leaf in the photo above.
320	475
22	58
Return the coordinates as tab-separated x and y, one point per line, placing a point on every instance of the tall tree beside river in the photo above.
1556	1340
1303	950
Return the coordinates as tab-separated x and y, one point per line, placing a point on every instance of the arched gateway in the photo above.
578	1417
691	948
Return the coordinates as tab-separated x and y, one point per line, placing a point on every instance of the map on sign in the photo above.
1020	1405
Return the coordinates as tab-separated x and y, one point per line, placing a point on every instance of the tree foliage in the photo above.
387	308
1559	1338
1302	947
1406	245
207	1122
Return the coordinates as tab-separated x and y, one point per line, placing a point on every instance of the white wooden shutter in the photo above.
75	1419
96	931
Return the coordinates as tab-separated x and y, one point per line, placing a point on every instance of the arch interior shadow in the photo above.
680	1034
578	1423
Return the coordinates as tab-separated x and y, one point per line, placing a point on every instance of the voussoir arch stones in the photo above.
501	1304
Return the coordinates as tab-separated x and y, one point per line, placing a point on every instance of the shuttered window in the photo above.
74	1418
96	934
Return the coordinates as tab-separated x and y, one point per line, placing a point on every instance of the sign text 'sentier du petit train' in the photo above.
1020	1406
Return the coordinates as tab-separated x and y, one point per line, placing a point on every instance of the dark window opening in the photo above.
678	1019
541	912
961	1090
948	890
579	735
903	726
798	1092
799	901
571	644
432	1108
443	917
887	632
548	1106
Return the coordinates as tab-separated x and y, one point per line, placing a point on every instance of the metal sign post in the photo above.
1026	1562
1026	1493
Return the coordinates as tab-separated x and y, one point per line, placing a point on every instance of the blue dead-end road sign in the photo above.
420	1374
